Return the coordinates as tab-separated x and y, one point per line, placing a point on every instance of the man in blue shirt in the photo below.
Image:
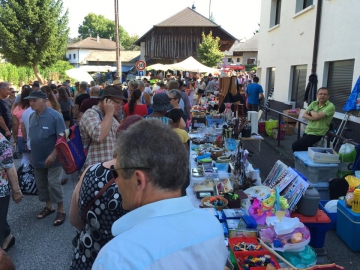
254	92
45	125
163	229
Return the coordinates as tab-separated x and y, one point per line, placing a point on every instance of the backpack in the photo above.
26	179
70	149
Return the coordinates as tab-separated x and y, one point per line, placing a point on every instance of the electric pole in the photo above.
118	61
209	8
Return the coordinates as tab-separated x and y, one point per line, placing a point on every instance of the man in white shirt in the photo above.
163	229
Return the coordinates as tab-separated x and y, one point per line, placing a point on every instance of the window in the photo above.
251	61
275	12
340	78
74	56
69	56
238	60
271	81
229	60
302	4
298	85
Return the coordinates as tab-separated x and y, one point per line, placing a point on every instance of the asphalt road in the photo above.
39	244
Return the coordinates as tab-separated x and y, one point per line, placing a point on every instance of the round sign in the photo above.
140	65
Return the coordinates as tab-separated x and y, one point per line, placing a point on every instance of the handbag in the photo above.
83	216
16	154
26	179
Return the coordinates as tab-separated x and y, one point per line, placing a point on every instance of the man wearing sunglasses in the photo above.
163	230
99	125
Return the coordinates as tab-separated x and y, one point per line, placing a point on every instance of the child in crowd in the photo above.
175	116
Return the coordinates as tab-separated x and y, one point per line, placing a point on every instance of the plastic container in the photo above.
309	203
323	189
213	121
314	172
332	216
233	241
261	126
348	226
240	257
222	166
318	226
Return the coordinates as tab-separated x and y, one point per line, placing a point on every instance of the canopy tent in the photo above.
93	68
158	67
79	75
234	67
191	64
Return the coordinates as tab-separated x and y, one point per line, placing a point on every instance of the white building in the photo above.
99	55
286	49
243	52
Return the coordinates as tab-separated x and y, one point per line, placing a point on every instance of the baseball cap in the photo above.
36	94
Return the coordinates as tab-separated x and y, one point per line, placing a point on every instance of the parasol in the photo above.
79	75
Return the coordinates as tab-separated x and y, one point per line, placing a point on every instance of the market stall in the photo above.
271	223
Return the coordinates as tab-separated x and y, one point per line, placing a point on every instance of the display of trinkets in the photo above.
255	261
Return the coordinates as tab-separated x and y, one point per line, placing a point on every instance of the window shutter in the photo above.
340	82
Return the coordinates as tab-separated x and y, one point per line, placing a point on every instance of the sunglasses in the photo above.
116	175
13	92
172	98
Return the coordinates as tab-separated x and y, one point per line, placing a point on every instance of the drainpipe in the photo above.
317	36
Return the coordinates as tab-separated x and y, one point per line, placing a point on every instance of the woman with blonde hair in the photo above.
51	99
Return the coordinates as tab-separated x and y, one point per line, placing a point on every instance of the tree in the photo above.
33	33
128	43
208	51
94	25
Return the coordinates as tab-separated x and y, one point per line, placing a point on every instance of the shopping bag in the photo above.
347	156
270	125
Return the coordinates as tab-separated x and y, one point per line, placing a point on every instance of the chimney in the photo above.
98	38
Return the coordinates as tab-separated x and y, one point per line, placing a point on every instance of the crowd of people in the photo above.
135	175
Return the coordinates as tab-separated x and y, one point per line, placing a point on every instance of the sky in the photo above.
238	17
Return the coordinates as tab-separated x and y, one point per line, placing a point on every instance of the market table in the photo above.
253	138
193	180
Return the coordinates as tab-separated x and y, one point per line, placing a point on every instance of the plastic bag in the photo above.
347	156
269	125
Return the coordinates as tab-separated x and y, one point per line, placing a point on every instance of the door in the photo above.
340	82
298	86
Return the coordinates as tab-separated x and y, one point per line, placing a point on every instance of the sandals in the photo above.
45	212
60	218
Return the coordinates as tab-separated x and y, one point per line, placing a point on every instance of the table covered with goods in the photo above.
279	221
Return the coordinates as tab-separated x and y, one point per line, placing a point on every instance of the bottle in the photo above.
355	206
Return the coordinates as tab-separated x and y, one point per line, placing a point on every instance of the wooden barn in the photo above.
178	37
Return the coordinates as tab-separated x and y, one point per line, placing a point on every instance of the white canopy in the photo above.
79	75
191	64
89	68
158	67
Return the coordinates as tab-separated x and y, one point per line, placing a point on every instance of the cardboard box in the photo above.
289	129
291	113
323	155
